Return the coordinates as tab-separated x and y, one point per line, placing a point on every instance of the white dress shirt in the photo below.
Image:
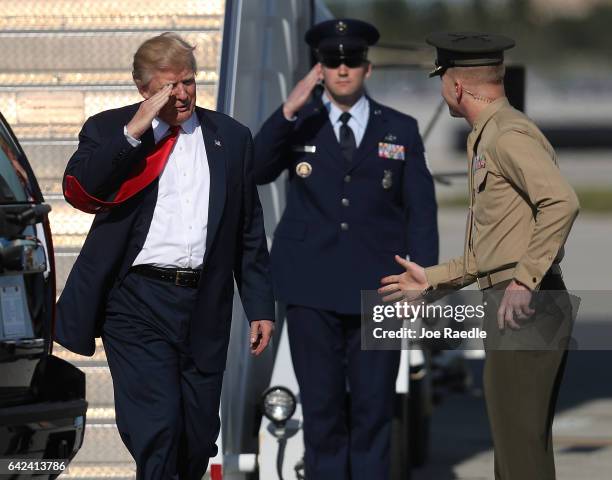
360	114
177	235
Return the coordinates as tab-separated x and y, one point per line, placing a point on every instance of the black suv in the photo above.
42	397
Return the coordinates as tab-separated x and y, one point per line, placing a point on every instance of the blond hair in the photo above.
167	51
493	74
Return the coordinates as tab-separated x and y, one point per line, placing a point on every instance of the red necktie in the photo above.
147	171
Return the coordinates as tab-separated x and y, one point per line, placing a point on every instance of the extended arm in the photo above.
272	147
273	142
101	163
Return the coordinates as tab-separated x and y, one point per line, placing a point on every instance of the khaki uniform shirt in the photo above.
521	208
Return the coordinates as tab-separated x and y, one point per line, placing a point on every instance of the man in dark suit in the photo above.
178	219
359	192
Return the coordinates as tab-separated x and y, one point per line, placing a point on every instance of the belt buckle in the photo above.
183	278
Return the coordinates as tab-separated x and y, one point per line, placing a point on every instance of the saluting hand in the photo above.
406	286
147	111
515	304
300	94
261	333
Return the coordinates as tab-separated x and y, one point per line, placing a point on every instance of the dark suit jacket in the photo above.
235	244
316	260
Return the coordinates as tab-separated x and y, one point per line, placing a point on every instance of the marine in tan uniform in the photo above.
521	212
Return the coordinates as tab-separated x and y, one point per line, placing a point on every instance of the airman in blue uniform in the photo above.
360	192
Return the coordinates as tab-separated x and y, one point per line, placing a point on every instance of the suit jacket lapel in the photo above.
217	158
375	131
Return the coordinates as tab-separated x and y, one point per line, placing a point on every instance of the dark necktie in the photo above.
347	138
147	171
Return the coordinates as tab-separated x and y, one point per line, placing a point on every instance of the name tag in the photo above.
391	150
304	148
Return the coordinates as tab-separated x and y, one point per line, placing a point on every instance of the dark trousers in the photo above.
343	440
167	411
521	390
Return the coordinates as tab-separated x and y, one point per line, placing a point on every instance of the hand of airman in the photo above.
300	94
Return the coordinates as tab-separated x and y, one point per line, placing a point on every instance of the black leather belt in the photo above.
183	277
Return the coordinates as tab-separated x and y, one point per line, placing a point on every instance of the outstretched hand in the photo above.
405	286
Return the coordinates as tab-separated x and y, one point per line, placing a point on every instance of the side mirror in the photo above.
22	256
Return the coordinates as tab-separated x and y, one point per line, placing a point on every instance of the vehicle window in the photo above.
14	183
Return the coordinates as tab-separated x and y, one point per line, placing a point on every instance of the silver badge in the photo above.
303	169
390	138
387	181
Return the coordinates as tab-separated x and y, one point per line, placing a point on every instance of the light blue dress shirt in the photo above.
360	114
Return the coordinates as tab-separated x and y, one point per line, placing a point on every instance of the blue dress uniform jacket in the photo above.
345	221
235	244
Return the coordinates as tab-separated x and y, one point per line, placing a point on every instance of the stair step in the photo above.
100	415
102	443
99	388
69	226
80	79
76	52
63	15
48	160
63	265
58	113
98	358
100	471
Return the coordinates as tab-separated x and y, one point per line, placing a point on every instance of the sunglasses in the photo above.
335	62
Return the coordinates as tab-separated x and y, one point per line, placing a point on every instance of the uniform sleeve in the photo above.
252	268
272	147
451	275
529	167
100	164
421	207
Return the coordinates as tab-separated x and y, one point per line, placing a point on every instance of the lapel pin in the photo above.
218	143
377	112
